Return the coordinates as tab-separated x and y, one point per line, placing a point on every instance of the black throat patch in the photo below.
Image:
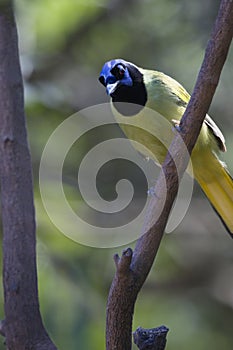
130	100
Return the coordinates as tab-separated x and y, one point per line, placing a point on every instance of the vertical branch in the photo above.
131	273
23	326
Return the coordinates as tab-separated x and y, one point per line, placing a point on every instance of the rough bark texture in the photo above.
23	326
133	267
151	339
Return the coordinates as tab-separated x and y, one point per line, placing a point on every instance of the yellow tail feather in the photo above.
217	184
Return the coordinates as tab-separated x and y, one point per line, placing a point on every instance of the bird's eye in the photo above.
118	71
144	334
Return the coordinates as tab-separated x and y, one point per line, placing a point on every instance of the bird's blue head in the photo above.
115	73
125	84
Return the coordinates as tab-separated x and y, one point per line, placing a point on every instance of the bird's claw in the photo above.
176	124
151	192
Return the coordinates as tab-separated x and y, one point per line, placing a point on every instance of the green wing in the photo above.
170	99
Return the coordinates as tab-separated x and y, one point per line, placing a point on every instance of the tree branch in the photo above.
127	284
23	326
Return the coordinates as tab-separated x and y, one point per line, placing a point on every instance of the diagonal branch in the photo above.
23	326
128	281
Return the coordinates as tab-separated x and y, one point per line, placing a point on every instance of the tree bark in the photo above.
133	267
23	326
153	338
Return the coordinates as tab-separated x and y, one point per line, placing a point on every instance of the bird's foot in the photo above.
176	124
151	192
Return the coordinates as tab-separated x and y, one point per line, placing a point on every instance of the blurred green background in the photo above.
63	45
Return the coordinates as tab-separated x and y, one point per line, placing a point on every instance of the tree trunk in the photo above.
23	326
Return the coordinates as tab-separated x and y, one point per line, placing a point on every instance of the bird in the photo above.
132	91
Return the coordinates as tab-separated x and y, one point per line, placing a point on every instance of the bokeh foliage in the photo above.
63	45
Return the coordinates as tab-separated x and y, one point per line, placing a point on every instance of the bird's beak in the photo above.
111	88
